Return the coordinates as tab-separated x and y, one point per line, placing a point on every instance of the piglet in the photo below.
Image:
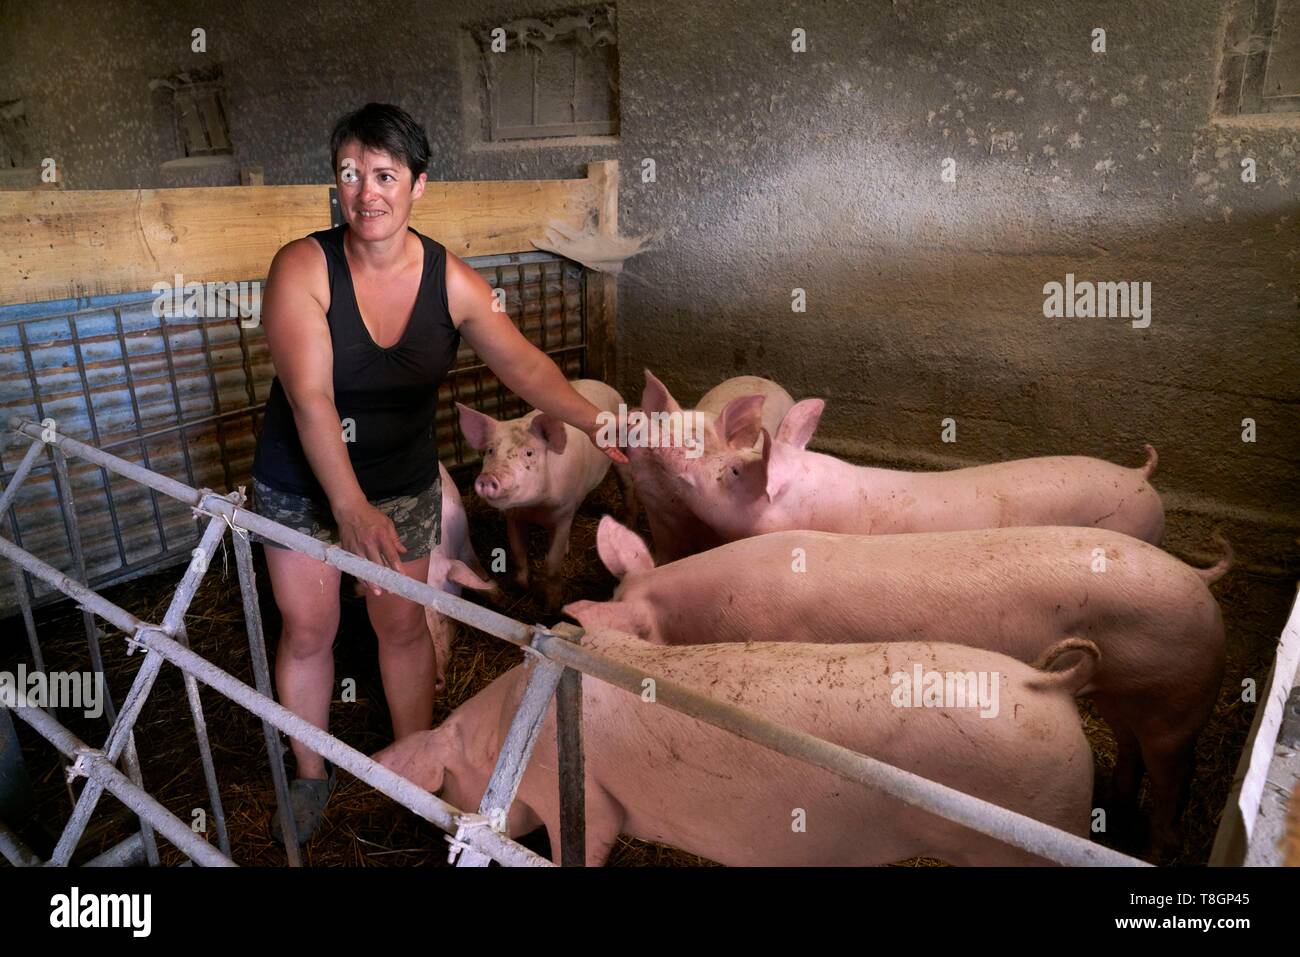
1015	591
675	530
741	491
656	774
538	470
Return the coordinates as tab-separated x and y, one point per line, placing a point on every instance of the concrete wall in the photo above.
821	170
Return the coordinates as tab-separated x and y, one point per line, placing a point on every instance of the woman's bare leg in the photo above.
307	594
406	655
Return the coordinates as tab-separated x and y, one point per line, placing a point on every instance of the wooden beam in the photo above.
62	245
602	347
568	743
486	217
65	244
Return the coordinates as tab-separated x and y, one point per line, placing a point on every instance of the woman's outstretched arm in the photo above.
521	366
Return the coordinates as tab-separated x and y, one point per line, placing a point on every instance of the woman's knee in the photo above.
305	637
398	623
307	596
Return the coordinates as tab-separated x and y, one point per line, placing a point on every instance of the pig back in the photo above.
776	400
599	394
1012	590
583	466
706	791
1048	490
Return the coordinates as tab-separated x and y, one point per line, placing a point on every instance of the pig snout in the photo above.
491	486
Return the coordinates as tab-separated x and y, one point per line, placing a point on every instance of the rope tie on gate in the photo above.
78	768
234	498
204	494
464	823
133	641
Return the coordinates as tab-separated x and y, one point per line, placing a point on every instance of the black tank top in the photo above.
388	394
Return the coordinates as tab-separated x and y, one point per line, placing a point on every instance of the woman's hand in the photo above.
521	366
366	531
612	450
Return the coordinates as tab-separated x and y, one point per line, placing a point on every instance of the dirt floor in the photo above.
364	828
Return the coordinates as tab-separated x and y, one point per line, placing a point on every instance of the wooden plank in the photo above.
65	244
1268	841
487	217
602	332
1252	79
595	365
1268	769
97	242
1236	37
568	741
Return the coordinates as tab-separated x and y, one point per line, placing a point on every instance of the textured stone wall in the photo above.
820	170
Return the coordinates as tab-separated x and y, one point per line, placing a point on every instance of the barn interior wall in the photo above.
821	170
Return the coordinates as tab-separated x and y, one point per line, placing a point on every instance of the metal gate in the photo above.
559	665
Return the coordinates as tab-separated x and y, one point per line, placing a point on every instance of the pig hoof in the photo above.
553	597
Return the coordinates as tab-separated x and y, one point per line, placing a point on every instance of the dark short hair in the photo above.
382	126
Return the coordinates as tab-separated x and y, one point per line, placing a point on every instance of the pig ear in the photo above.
621	549
418	757
617	615
476	426
740	421
550	430
582	611
656	397
776	466
800	423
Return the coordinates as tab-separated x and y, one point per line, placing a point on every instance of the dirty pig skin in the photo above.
656	774
1016	591
737	491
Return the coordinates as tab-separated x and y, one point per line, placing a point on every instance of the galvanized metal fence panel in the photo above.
183	395
473	832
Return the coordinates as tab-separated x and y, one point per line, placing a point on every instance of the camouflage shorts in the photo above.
418	517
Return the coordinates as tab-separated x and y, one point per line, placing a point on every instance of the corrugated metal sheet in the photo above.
183	396
546	297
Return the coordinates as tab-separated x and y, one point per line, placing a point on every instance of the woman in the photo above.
363	322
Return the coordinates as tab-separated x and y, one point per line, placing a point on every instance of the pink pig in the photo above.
656	774
675	530
1016	591
741	492
538	470
776	401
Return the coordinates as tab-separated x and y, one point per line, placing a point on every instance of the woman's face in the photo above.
375	191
